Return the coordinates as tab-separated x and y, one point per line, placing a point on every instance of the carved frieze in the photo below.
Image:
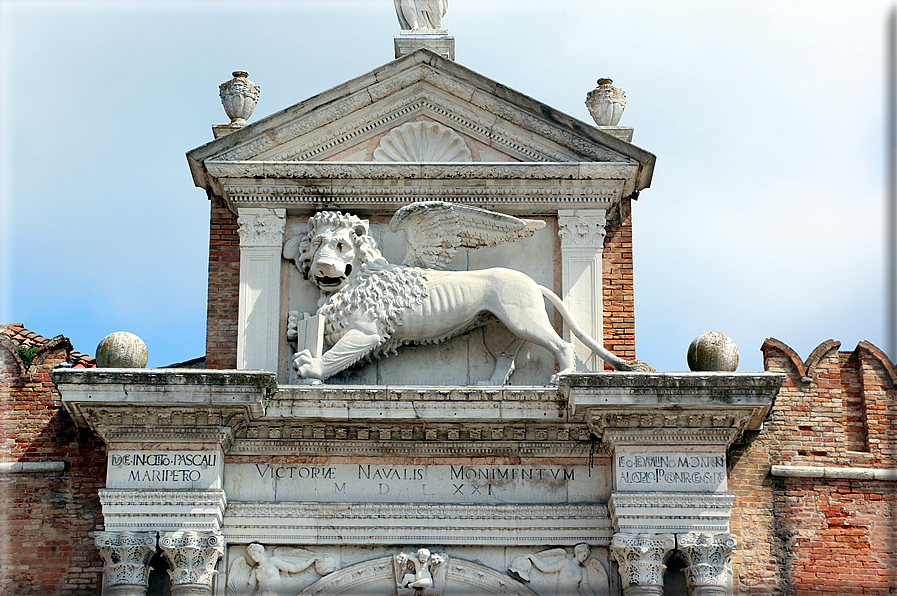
279	570
556	572
126	557
394	574
399	523
670	512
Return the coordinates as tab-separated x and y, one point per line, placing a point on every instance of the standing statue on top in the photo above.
420	14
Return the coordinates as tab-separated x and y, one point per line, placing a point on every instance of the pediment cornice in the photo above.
420	85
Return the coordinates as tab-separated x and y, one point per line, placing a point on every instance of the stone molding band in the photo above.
32	467
834	472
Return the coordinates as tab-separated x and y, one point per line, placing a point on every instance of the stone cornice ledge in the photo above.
834	472
164	404
713	407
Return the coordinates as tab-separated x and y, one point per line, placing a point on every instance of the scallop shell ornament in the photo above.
422	142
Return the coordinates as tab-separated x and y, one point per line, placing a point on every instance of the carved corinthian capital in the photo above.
127	558
192	557
582	230
707	557
261	227
642	560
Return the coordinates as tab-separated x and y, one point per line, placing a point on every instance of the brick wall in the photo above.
47	521
802	536
619	304
224	287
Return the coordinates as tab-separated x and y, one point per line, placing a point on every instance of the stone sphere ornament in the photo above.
606	103
713	352
122	350
239	96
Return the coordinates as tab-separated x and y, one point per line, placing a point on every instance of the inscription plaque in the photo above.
670	471
164	469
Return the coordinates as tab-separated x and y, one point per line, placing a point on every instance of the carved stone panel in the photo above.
257	570
379	577
556	572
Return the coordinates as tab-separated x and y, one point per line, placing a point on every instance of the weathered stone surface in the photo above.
713	351
122	350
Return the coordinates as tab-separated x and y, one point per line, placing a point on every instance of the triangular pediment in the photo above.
349	123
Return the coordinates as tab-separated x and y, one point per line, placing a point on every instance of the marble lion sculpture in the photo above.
371	307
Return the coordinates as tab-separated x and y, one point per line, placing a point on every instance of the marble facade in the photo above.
410	475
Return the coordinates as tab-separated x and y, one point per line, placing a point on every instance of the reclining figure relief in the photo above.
371	307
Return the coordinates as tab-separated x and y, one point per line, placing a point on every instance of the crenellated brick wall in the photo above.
47	520
835	415
224	287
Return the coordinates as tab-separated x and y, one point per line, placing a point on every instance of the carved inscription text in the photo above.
410	483
686	471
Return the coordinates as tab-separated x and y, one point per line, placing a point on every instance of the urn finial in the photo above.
606	103
239	96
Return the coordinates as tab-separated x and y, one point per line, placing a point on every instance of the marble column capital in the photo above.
126	557
260	227
192	557
642	560
583	228
708	557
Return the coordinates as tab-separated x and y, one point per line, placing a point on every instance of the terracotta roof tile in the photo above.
17	334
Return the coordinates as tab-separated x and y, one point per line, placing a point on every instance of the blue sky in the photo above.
765	217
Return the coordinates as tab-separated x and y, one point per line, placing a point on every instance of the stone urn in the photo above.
606	103
239	96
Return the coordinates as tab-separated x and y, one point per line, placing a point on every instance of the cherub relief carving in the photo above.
371	307
554	572
286	570
422	573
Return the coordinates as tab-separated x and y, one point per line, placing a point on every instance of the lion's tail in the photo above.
615	361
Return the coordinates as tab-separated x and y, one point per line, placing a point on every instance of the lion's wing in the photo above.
434	230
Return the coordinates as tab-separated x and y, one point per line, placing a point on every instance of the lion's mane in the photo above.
382	290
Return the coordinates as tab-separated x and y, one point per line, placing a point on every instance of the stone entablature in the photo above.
516	188
232	456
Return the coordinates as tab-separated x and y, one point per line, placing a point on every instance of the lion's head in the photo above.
334	248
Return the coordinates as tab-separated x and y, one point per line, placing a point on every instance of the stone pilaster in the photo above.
192	557
126	556
582	245
708	557
261	243
642	559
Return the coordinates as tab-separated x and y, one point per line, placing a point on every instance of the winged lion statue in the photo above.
371	307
